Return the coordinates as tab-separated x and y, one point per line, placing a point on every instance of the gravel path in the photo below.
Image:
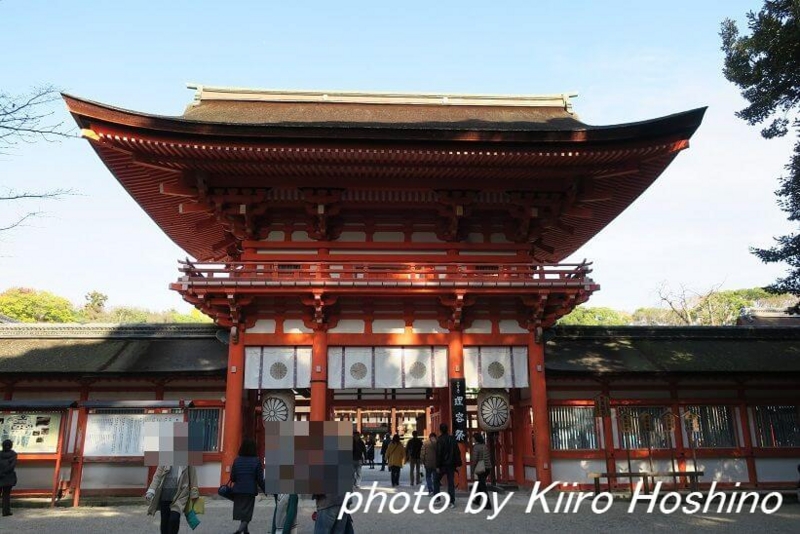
513	519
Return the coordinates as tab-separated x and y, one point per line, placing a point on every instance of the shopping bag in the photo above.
192	519
199	506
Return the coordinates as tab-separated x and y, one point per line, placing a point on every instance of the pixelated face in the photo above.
308	457
170	443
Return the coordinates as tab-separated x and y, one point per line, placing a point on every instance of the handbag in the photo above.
192	519
226	491
480	468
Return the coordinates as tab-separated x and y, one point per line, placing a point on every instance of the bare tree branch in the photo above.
19	221
29	118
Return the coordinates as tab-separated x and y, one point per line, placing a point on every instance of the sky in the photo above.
628	61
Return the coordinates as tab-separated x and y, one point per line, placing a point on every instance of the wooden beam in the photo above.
194	207
176	190
579	212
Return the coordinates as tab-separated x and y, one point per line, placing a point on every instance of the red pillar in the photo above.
319	376
541	422
744	421
76	473
234	387
519	428
455	369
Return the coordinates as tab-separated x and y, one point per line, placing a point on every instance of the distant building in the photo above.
769	317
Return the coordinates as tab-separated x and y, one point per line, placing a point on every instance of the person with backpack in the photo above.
413	457
448	459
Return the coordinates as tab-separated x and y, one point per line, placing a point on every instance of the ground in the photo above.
217	519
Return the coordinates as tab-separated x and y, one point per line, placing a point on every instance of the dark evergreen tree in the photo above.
765	65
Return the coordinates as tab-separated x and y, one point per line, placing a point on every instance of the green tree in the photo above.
128	314
765	65
95	306
32	306
596	317
655	317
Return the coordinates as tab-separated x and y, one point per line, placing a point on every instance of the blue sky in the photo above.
628	61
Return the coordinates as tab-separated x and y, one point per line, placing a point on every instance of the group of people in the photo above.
173	487
439	456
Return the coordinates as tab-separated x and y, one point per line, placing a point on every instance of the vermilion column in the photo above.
319	376
455	369
541	423
519	428
234	386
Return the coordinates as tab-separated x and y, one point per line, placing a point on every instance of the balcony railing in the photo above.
362	274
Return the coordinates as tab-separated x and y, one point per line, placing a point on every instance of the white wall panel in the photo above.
569	471
263	326
388	326
348	326
102	476
777	469
295	326
510	326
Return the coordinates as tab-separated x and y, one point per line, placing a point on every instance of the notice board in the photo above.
121	434
31	432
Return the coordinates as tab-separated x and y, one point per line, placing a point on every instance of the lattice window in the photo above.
714	426
573	428
641	427
777	426
204	429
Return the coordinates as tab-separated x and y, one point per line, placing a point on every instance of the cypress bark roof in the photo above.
197	350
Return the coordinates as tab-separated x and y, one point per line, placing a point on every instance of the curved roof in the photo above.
240	141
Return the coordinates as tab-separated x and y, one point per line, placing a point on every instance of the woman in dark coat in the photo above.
371	452
8	474
247	475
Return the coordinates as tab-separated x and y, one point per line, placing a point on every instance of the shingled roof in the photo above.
673	350
109	350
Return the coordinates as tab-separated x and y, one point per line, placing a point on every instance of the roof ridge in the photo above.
107	330
206	93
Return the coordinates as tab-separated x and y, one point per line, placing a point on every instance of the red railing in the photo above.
333	273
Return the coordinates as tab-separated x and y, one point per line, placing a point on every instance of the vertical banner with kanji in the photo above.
459	387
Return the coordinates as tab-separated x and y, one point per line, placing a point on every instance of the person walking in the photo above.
247	475
284	518
384	447
359	454
413	455
448	458
326	519
428	459
8	474
169	492
395	456
481	465
371	451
